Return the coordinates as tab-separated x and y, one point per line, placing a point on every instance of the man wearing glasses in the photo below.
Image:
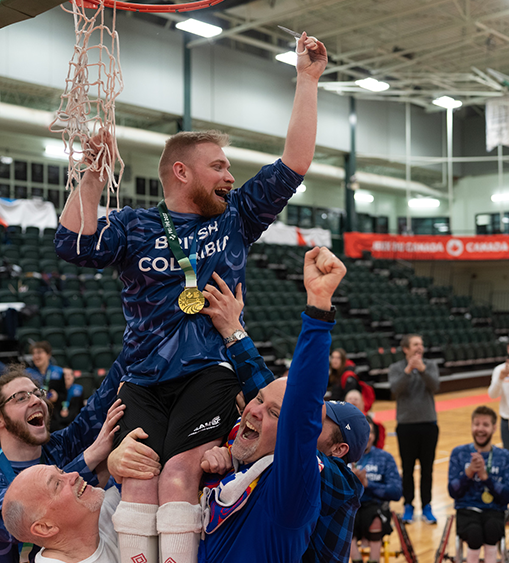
26	441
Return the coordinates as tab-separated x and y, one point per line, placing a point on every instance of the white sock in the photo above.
473	555
179	525
490	553
135	524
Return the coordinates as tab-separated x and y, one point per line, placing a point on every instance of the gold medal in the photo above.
487	497
191	300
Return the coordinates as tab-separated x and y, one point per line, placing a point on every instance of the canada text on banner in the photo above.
421	247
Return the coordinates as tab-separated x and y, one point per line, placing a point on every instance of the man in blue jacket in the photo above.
479	485
379	475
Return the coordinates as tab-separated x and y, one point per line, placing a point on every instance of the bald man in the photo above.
59	511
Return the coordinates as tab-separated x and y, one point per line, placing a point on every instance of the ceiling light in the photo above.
56	151
290	58
6	159
498	198
447	102
423	203
363	197
301	189
372	84
199	28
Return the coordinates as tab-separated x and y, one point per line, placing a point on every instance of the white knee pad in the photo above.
179	518
135	518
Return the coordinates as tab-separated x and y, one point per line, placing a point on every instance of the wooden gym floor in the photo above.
453	411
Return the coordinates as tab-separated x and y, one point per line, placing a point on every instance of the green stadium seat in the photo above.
99	336
59	358
52	299
115	316
26	337
48	266
89	384
29	265
55	336
117	335
75	316
52	317
72	298
80	359
96	317
68	269
29	251
102	357
112	299
77	337
92	299
70	282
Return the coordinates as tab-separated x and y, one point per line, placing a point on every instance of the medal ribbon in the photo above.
487	497
188	265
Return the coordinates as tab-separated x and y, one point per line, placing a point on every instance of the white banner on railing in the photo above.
28	213
279	233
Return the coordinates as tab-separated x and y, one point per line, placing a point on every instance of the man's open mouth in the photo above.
82	489
36	419
250	432
222	193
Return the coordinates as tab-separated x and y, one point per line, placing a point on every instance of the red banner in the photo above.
424	247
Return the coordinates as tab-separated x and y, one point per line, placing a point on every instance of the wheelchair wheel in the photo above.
406	544
442	548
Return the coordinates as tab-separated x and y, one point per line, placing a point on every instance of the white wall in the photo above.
472	195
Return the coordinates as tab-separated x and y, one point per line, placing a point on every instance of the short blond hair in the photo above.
179	148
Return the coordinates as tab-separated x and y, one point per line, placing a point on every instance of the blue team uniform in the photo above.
161	342
53	374
467	493
65	448
384	481
276	522
340	490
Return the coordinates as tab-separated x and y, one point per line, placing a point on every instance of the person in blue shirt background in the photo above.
67	410
379	474
479	485
48	375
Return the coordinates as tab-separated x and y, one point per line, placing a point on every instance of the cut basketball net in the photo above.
87	106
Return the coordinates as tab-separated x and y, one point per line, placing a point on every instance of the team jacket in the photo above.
384	481
276	522
161	342
467	493
340	490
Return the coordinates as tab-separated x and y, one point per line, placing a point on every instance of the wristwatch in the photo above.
320	314
235	337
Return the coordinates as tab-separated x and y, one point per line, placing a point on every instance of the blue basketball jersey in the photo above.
161	342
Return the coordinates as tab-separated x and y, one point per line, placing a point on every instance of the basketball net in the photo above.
87	105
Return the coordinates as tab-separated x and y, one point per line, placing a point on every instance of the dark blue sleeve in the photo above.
260	200
113	242
391	488
251	370
295	478
70	442
500	488
459	483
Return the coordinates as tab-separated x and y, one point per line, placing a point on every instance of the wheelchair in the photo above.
442	553
406	550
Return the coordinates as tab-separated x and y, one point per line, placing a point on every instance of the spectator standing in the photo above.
414	381
499	387
66	411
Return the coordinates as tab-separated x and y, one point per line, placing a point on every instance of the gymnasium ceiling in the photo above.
422	48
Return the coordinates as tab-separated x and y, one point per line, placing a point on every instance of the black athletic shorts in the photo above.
181	414
365	516
488	525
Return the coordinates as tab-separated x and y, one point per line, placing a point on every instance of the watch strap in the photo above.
321	314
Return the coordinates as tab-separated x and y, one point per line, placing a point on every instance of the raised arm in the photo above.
91	189
301	137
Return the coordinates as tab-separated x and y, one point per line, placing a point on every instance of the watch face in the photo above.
239	335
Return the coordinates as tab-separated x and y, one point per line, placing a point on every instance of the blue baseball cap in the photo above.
353	425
